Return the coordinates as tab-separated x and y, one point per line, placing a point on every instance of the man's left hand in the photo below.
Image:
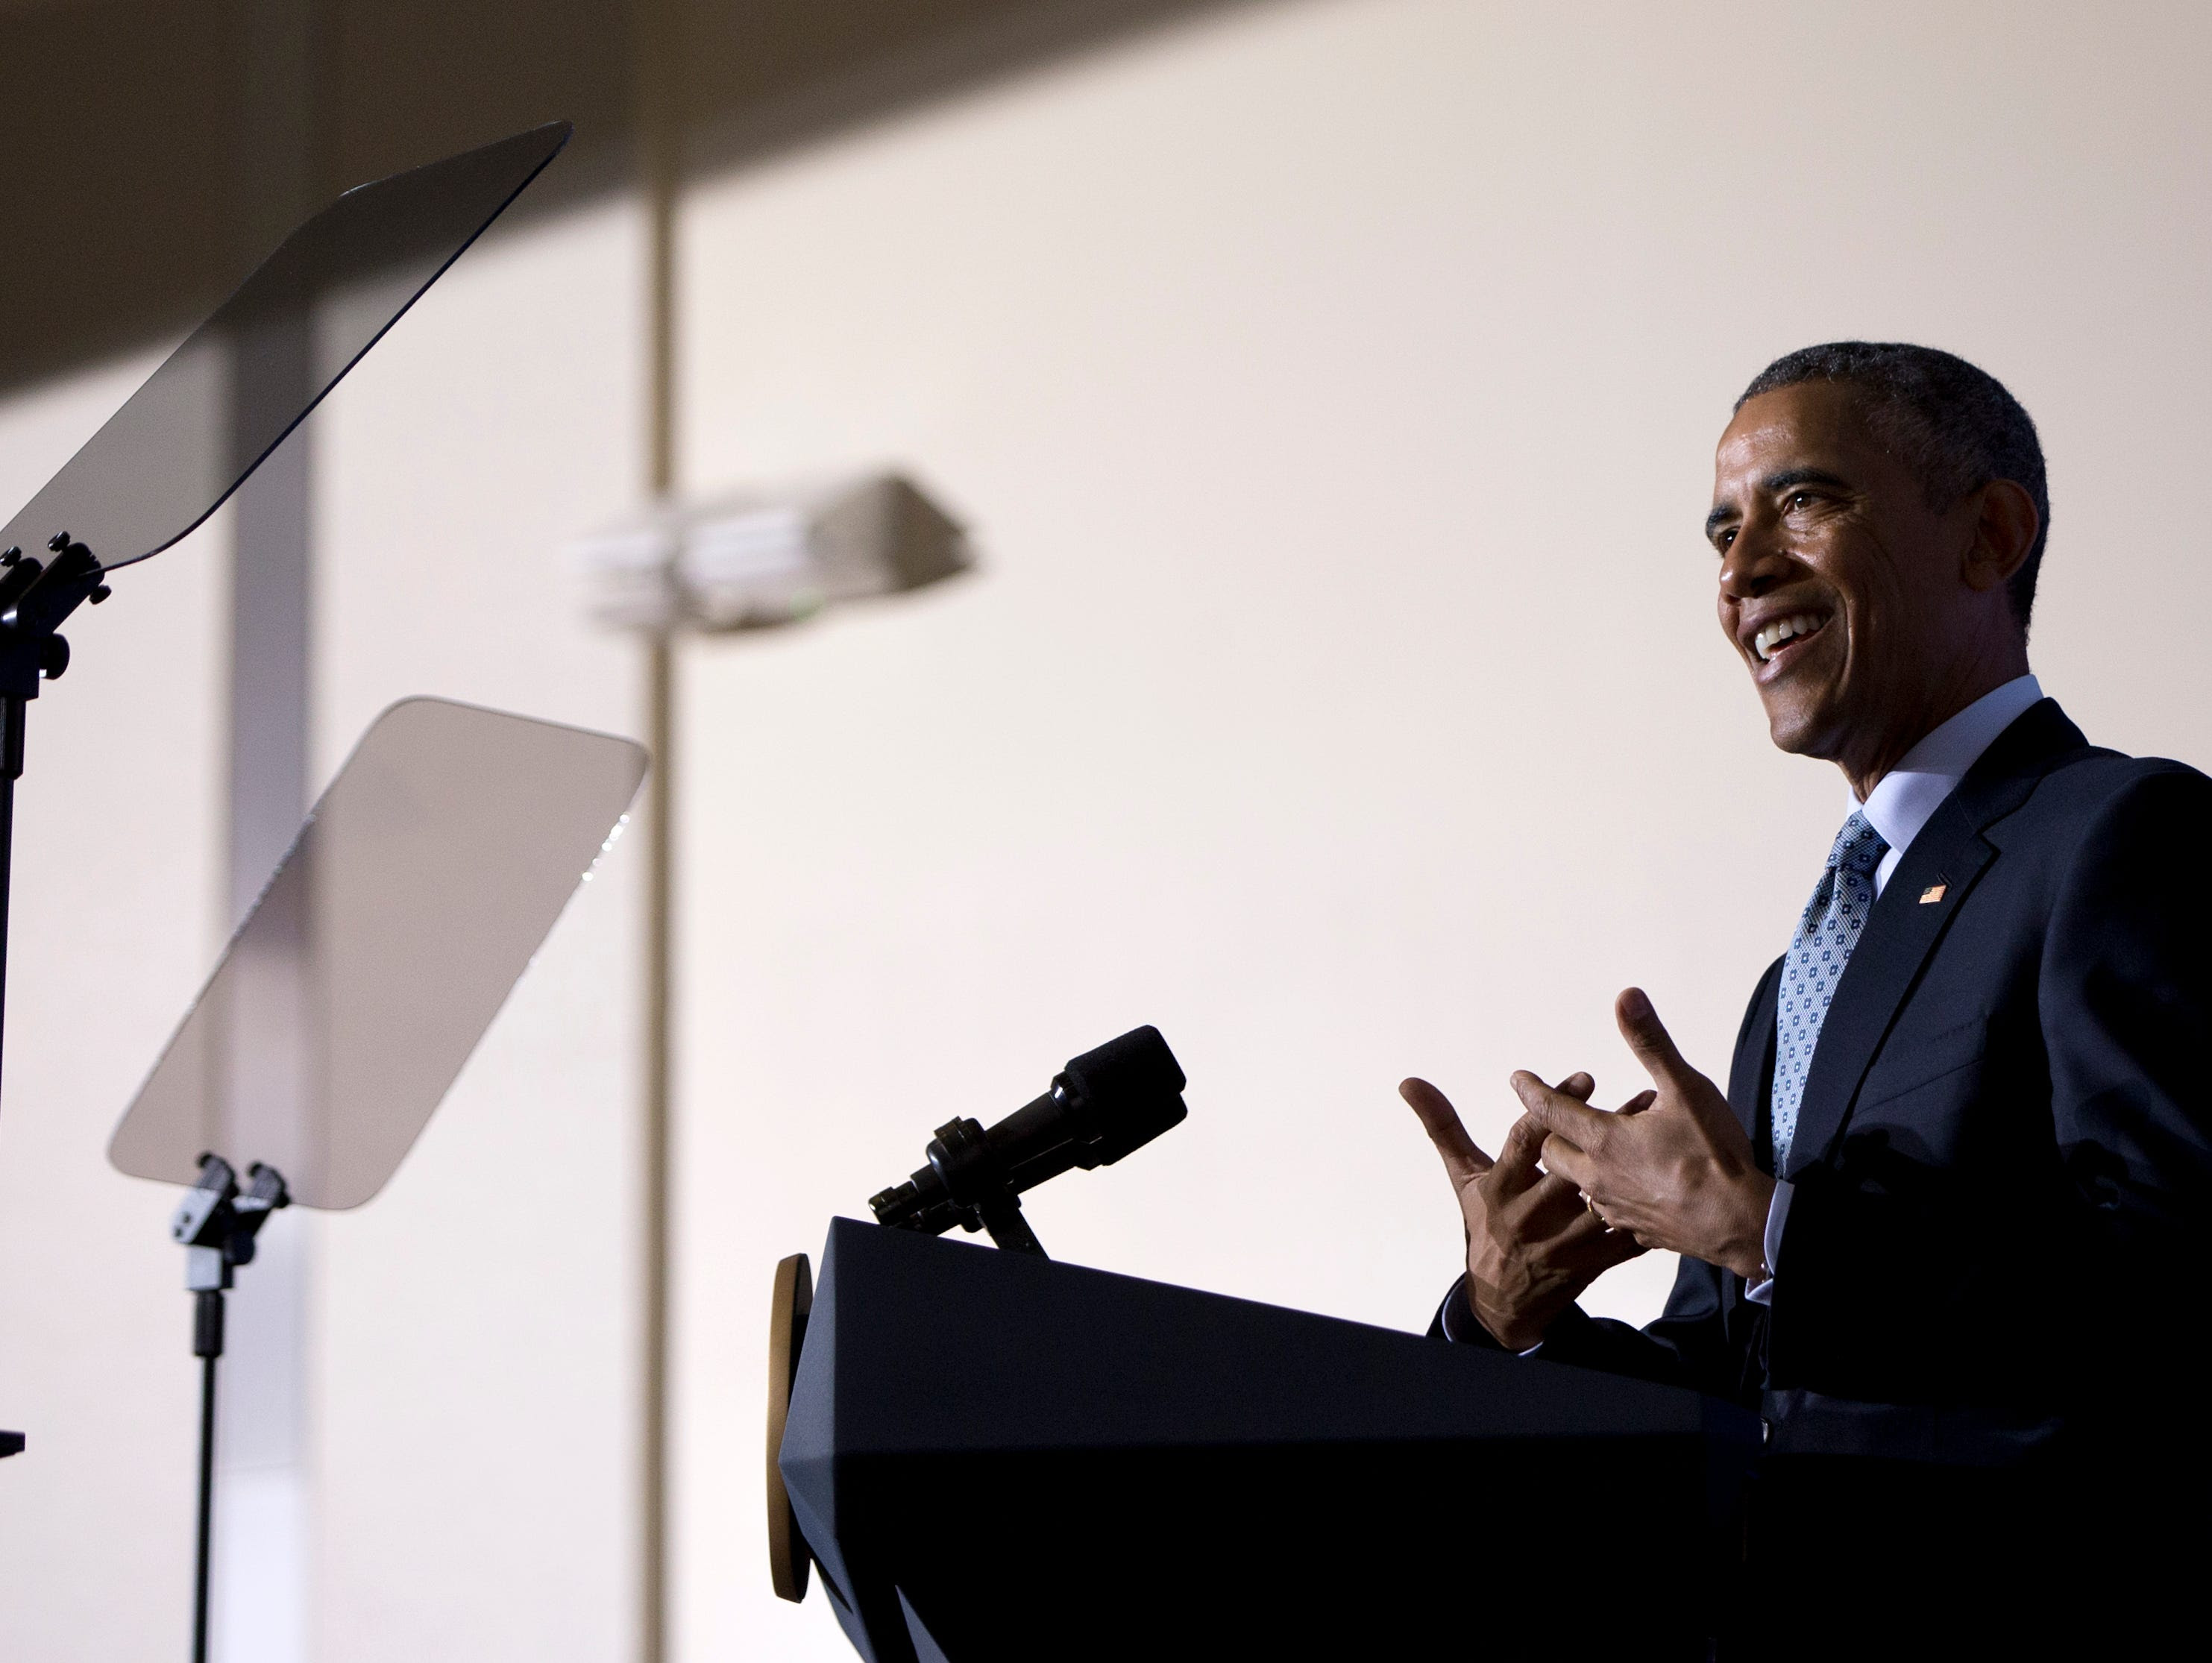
1680	1174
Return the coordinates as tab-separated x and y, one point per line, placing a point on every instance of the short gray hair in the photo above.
1953	425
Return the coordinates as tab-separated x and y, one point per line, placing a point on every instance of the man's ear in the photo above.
2004	531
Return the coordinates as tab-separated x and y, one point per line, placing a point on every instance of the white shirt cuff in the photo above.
1777	1215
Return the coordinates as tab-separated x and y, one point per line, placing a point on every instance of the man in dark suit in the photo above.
1946	1229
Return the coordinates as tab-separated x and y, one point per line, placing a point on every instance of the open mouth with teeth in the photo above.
1785	637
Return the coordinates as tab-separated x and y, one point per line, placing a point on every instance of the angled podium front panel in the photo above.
998	1457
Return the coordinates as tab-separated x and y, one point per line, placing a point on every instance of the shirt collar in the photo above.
1907	797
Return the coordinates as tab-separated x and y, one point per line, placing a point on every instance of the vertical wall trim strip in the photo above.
264	1496
660	140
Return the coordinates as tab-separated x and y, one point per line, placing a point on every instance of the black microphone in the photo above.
1103	1104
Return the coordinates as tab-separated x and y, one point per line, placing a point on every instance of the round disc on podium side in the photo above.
788	1558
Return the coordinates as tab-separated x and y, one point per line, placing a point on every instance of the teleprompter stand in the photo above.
216	1223
425	880
180	446
35	597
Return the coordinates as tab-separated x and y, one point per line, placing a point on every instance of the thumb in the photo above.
1648	1038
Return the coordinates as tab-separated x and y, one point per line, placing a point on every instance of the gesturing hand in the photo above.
1678	1174
1531	1245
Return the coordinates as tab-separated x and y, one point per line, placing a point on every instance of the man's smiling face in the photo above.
1841	590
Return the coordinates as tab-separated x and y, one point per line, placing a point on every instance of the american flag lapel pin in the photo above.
1934	892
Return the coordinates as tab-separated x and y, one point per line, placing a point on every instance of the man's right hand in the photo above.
1533	1244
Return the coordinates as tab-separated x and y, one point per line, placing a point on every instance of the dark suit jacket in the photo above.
2003	1160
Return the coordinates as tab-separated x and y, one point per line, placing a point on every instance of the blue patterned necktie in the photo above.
1834	920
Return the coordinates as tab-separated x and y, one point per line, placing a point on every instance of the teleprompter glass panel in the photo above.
243	380
416	895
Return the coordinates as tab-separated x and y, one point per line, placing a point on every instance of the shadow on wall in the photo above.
124	205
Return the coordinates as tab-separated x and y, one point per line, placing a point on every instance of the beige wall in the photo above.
1331	388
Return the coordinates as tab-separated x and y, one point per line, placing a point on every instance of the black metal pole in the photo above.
11	770
7	861
207	1345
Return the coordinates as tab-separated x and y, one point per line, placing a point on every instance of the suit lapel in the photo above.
1750	1071
1902	930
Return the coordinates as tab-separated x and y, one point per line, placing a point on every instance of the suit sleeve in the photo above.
1900	1286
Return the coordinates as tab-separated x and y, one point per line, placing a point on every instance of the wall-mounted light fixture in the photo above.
756	560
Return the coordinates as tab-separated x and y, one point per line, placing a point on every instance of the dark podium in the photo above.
993	1456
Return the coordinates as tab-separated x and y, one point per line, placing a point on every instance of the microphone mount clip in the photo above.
976	1187
215	1224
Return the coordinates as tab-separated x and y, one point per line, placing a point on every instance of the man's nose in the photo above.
1754	562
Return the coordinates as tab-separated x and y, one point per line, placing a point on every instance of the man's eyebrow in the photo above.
1791	477
1773	485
